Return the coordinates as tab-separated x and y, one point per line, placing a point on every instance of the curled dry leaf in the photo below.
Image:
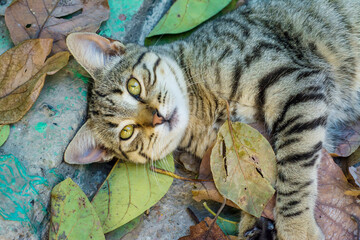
201	231
30	19
244	167
72	216
334	208
22	74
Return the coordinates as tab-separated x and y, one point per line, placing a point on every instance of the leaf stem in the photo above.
47	18
173	175
214	214
216	217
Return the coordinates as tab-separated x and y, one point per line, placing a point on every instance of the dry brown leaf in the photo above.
208	191
334	209
30	19
355	175
205	169
201	231
22	74
347	139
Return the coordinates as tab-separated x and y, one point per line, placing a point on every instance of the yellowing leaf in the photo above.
244	167
126	229
129	190
4	133
72	215
22	74
187	14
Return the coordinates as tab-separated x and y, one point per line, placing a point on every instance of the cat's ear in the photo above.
83	148
92	51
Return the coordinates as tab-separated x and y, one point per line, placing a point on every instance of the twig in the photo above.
216	216
173	175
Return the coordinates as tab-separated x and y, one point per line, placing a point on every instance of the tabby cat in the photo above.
292	64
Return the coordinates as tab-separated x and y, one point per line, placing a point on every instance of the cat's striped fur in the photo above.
292	64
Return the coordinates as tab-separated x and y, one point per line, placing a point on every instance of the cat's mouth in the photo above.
173	119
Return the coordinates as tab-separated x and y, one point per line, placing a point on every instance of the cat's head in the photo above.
138	109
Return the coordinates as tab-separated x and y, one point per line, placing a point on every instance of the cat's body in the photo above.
292	64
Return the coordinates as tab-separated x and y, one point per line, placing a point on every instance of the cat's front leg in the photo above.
298	139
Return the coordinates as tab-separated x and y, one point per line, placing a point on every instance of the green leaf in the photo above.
243	165
228	226
164	33
187	14
72	215
129	190
124	229
4	133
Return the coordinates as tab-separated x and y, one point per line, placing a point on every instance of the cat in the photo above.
291	64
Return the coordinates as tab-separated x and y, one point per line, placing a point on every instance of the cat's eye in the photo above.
127	132
134	87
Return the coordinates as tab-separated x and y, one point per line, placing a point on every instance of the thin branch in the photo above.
173	175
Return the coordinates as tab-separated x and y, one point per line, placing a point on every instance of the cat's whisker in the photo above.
157	41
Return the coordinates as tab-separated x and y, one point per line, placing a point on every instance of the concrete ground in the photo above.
31	160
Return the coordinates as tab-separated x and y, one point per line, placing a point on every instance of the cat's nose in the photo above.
157	119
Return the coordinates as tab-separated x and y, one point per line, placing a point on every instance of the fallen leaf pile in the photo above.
127	192
39	28
240	166
22	74
336	205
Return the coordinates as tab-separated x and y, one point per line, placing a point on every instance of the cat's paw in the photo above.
304	228
251	228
